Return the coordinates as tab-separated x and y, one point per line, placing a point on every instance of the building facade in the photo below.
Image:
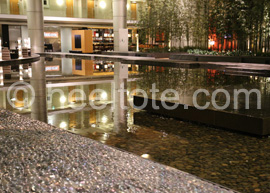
63	16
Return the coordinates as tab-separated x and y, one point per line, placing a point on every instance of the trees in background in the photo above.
239	24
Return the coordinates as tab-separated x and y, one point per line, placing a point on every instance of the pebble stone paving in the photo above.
36	157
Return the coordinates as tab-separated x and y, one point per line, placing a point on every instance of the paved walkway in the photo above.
36	157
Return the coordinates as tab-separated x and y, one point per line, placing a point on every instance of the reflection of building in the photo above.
62	16
69	67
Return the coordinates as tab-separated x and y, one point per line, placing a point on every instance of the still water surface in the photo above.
238	161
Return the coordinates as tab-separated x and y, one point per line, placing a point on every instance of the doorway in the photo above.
91	8
14	7
69	10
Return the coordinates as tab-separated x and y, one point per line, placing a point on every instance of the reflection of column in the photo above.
120	98
120	25
86	118
3	99
66	66
38	81
1	76
66	39
86	90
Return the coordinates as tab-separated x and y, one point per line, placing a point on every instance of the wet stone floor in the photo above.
234	160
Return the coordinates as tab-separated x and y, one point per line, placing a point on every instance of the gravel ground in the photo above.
36	157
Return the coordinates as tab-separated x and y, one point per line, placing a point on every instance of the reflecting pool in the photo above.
235	160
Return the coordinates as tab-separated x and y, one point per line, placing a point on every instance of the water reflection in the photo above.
38	82
187	81
120	95
216	155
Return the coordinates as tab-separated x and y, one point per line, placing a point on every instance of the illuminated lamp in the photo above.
102	4
60	2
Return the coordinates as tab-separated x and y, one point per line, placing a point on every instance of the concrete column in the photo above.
120	25
134	39
66	39
120	97
38	81
35	25
24	31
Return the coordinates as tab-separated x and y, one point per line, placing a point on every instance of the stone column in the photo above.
66	39
25	35
38	81
120	25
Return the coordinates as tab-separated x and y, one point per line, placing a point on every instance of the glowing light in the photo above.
27	43
1	76
63	125
128	6
104	96
137	43
20	47
63	99
146	156
102	4
212	42
97	67
104	119
21	72
0	49
60	2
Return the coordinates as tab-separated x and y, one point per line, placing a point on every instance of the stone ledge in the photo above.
238	122
33	58
234	59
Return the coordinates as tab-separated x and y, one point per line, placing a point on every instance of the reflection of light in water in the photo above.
63	99
94	125
104	96
63	125
146	156
13	99
20	108
50	121
104	119
106	136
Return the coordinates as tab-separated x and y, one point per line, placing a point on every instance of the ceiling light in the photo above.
102	4
60	2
